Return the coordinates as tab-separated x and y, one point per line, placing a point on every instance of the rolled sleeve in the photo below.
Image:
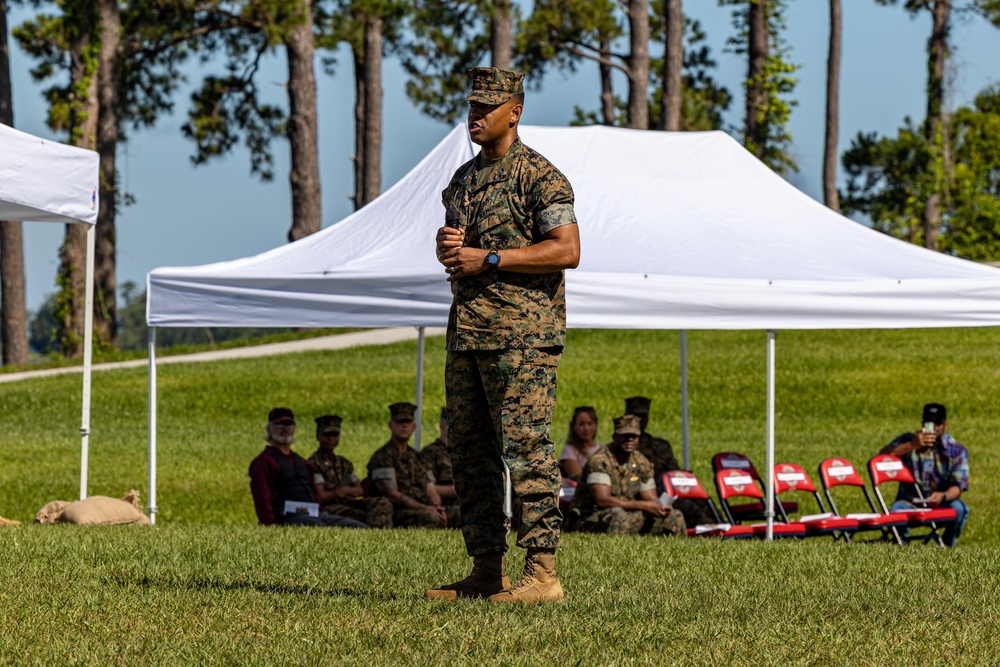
647	485
556	215
599	478
383	475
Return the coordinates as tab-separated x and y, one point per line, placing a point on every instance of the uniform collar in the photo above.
502	170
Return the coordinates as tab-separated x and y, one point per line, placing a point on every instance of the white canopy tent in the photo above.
679	231
45	181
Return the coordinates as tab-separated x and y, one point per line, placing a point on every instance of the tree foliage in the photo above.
776	81
446	39
890	178
704	99
227	108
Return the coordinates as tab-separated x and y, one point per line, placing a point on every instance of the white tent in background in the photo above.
42	180
678	230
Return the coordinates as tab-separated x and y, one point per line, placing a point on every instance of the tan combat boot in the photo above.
538	583
487	577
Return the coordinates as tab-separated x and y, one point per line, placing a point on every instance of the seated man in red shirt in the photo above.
282	484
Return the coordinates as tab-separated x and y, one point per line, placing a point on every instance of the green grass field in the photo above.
206	585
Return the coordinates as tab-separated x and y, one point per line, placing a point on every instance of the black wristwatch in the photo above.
493	259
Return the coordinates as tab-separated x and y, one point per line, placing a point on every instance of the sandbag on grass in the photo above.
51	511
95	511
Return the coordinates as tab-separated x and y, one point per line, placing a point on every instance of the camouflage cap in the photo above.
281	416
494	86
627	425
328	424
401	412
637	405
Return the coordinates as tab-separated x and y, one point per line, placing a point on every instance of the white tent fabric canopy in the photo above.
45	181
678	231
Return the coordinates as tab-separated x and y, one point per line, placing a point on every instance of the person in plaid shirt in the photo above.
940	465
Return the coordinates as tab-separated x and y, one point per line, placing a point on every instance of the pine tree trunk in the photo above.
500	35
105	284
638	64
13	314
607	94
673	63
303	136
937	56
372	165
73	254
357	51
756	98
830	195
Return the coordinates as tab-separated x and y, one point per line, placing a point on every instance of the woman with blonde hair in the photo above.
580	442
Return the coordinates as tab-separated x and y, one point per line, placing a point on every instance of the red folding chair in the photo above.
886	468
737	461
840	472
789	478
682	484
739	484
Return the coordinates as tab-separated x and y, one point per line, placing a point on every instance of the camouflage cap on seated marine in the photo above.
494	86
328	424
401	412
637	405
627	425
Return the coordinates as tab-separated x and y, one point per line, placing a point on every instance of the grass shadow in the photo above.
278	588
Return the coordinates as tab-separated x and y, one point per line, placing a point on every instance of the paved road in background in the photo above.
336	342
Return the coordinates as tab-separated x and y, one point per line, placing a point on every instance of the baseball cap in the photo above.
935	412
281	416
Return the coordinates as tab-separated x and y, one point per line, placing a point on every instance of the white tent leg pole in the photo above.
151	509
769	464
421	338
88	359
685	431
508	492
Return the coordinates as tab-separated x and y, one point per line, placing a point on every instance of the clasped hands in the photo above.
458	260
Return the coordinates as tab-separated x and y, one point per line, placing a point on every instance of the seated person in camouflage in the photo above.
281	481
337	486
437	458
661	455
618	495
397	472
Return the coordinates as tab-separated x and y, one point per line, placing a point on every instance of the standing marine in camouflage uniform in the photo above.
661	455
618	494
509	233
437	458
337	486
397	472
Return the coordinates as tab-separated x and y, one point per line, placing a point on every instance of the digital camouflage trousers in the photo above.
500	405
618	521
376	512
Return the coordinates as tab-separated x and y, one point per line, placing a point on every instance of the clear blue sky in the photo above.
187	215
